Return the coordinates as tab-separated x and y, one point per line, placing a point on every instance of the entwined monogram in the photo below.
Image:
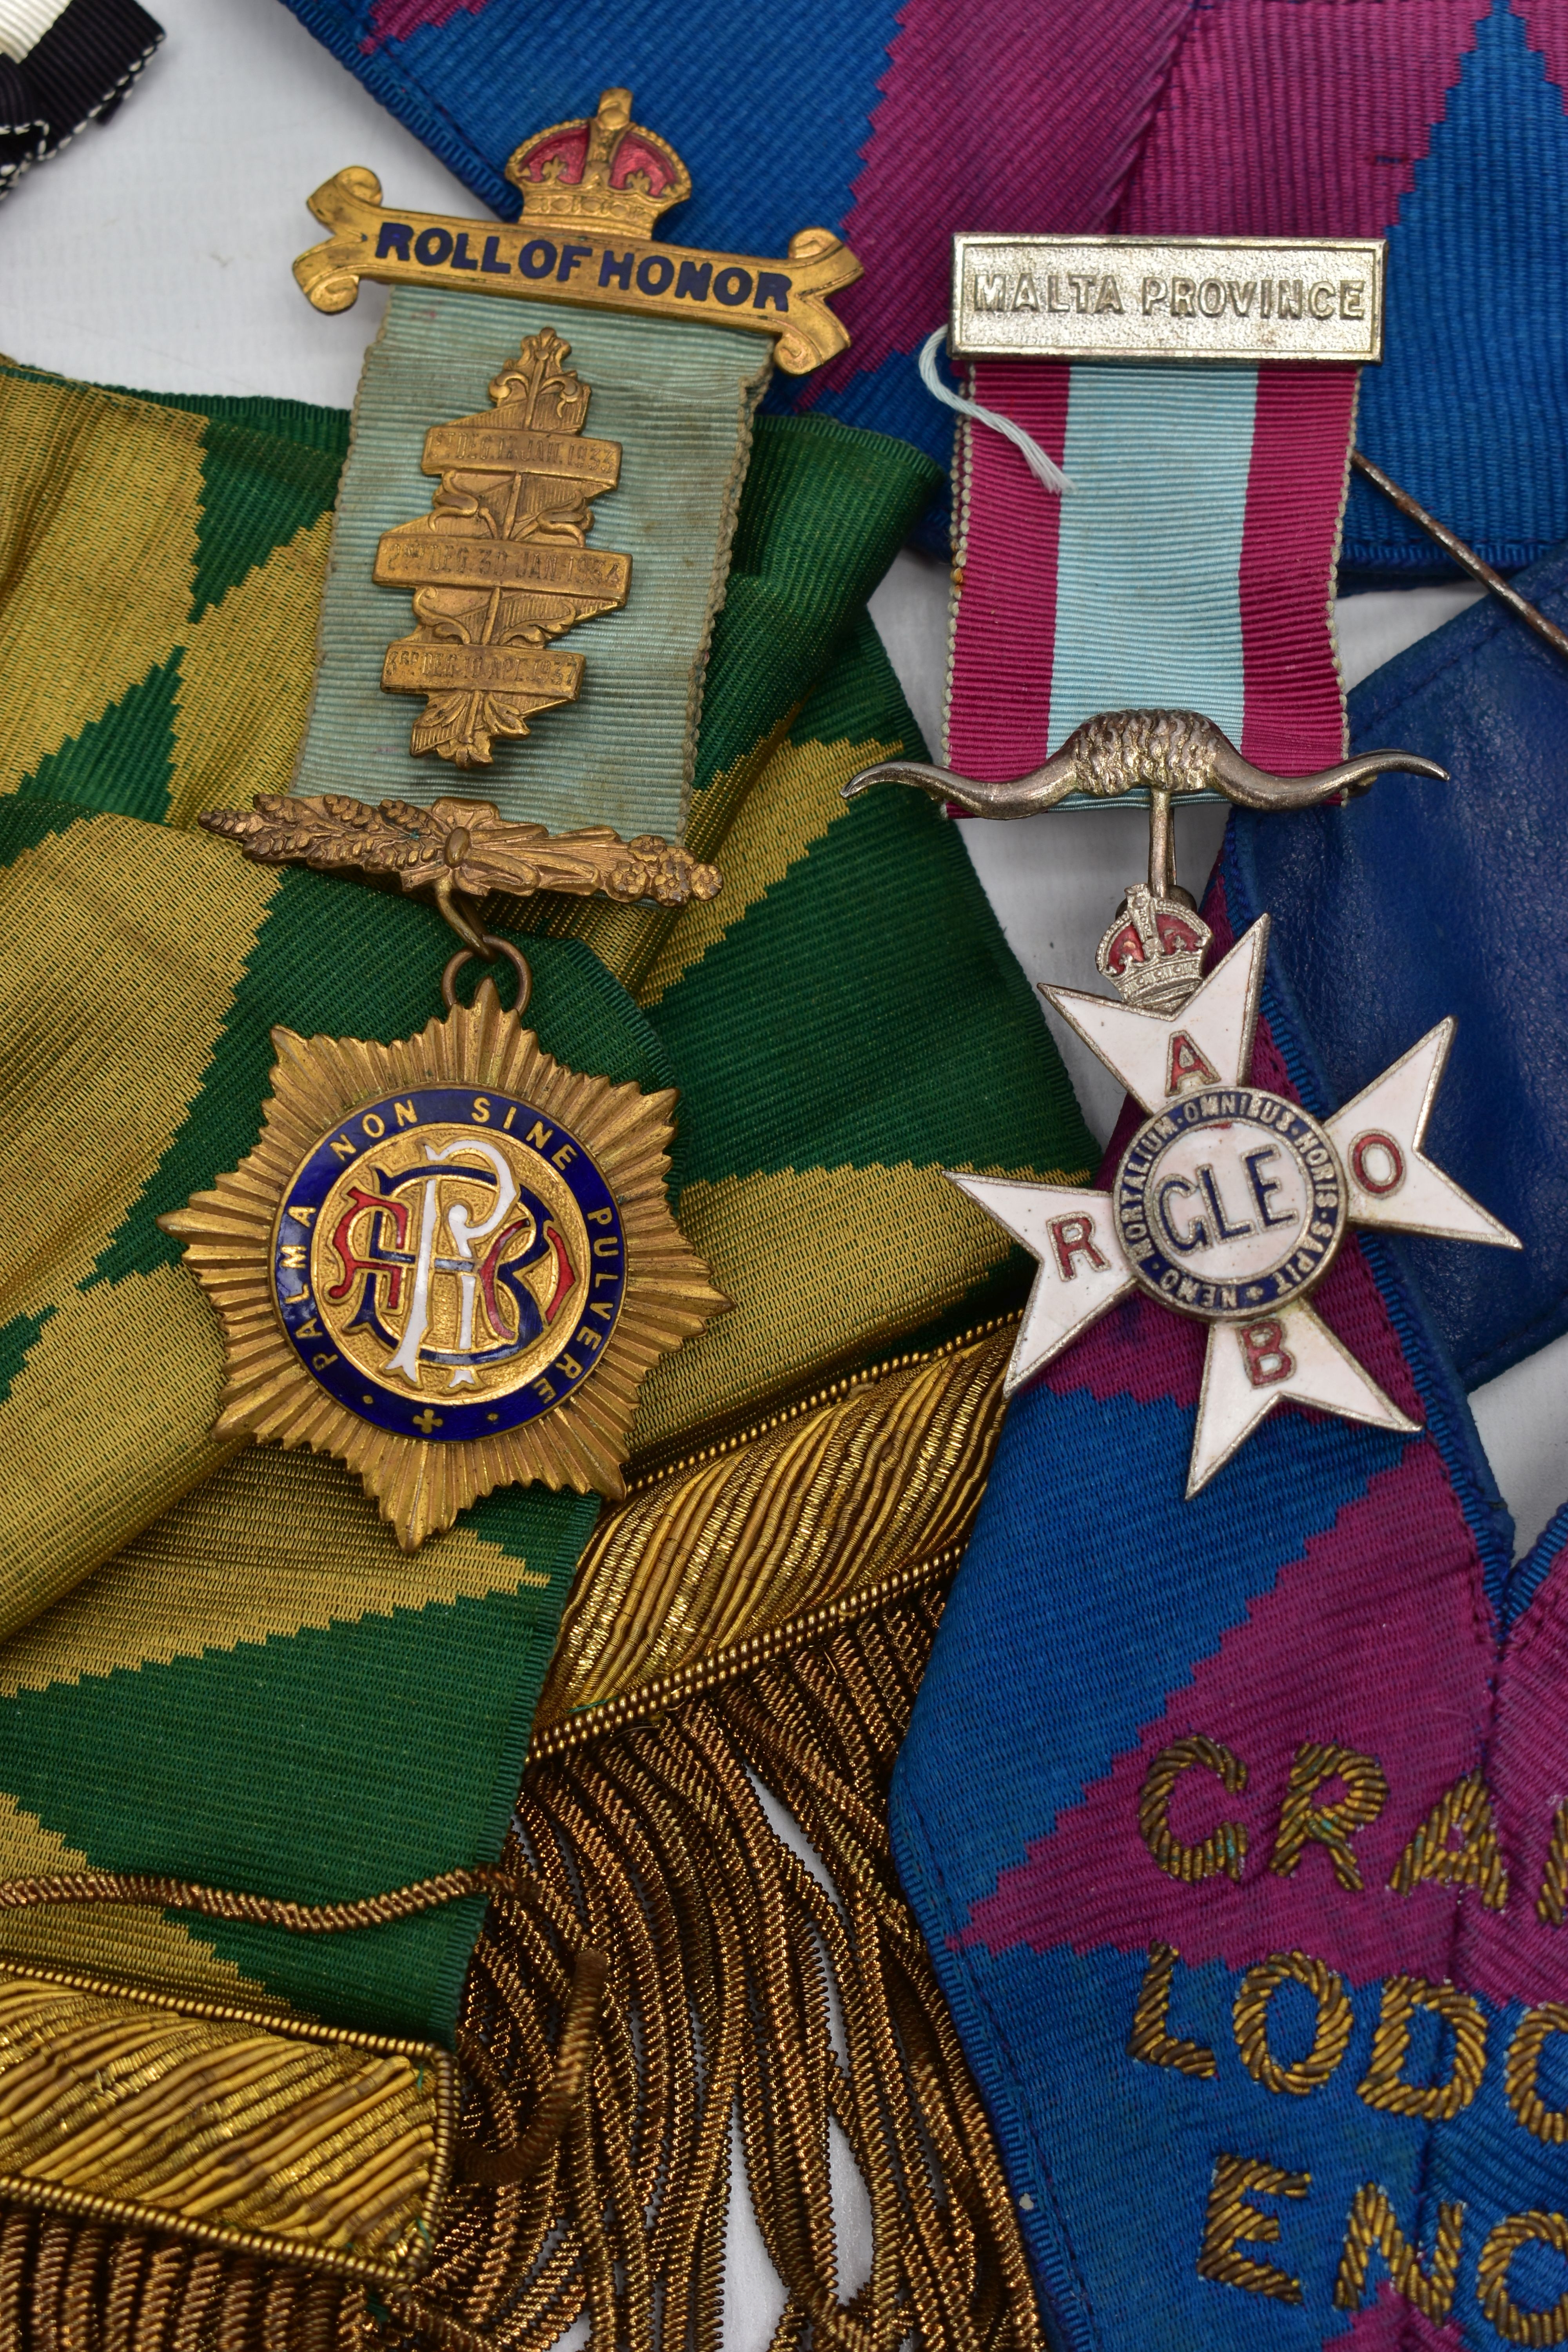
446	1240
504	1298
448	1261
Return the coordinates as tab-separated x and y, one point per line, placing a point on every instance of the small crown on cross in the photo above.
1154	950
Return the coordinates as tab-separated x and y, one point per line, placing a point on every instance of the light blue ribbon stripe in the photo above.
1149	571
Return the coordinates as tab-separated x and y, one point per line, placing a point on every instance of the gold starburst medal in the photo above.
448	1261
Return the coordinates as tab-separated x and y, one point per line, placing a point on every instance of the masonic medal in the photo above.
1229	1203
449	1260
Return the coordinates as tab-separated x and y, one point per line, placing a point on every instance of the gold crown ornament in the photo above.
603	172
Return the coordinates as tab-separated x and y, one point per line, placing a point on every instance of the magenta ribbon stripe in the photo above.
1192	564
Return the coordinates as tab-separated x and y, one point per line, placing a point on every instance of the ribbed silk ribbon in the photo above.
1191	565
678	401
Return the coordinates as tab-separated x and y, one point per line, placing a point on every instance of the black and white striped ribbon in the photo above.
63	64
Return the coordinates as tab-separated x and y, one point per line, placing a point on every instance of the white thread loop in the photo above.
1043	469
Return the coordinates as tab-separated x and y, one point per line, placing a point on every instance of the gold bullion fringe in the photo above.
741	1981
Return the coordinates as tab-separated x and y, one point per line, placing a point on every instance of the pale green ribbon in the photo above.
680	399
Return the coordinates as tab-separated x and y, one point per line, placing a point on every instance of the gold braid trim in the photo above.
1552	1903
1371	2223
1150	2039
266	2136
1535	2029
1303	1821
1464	1811
1232	2221
765	1542
260	1910
1514	2324
1224	1848
657	1958
722	1953
262	2132
1331	2029
1384	2084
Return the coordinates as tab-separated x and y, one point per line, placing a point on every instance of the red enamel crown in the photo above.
606	173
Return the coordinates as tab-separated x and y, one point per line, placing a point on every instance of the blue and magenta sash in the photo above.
1238	1828
1439	123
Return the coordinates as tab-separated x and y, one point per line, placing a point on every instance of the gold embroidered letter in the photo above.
1514	2324
1149	2039
1303	1823
1384	2084
1476	1861
1230	2217
1224	1848
1371	2223
1552	1902
1535	2028
1330	2033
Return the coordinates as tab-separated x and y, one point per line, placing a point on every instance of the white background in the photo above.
155	254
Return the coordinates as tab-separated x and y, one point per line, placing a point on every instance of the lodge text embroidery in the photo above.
1333	1794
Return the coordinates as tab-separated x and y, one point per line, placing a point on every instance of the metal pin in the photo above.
1465	557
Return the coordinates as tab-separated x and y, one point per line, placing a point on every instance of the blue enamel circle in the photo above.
1230	1203
449	1263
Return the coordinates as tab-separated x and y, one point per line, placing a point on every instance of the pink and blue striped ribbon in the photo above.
1191	566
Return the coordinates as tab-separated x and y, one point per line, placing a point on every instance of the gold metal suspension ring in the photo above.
493	948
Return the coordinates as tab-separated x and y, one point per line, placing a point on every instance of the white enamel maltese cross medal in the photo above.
1229	1202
